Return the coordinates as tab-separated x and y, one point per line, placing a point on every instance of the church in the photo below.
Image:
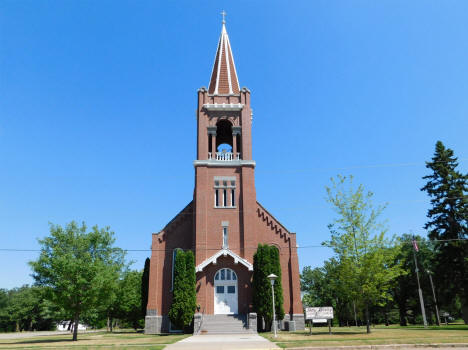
224	222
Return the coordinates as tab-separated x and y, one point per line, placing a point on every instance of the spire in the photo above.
224	77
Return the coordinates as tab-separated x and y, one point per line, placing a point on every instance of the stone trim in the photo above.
153	324
224	178
223	106
232	163
252	322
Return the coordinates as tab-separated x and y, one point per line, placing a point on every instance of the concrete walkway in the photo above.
223	342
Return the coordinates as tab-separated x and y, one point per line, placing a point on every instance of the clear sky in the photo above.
98	99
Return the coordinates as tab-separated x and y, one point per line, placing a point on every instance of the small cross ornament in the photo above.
223	13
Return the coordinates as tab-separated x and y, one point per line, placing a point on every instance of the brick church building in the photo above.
224	223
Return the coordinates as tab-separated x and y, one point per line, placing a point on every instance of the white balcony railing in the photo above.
224	156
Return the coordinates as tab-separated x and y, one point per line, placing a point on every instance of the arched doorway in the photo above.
225	292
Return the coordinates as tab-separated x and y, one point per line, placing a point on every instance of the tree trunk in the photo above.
367	319
465	311
111	324
75	327
402	314
355	316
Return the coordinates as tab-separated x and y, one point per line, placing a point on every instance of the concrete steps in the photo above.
225	324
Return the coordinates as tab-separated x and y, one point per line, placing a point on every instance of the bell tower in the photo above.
224	196
223	223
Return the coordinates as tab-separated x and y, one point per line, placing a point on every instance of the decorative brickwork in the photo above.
224	223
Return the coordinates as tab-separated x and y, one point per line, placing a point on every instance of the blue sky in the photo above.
98	99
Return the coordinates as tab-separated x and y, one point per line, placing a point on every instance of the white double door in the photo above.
225	293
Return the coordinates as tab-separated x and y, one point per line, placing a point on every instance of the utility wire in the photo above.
245	248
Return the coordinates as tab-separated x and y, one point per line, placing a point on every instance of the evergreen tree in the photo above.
266	261
145	286
405	291
278	287
191	284
184	294
448	218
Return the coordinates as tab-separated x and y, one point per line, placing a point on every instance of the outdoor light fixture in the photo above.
272	277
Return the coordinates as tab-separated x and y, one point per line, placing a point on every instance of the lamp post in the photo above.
272	277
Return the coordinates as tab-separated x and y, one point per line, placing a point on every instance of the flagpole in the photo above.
423	311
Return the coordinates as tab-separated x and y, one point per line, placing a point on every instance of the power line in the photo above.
245	248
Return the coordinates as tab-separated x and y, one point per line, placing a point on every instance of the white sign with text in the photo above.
324	312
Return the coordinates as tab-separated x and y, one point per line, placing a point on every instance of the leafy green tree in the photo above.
183	299
129	299
145	286
6	324
448	222
365	257
78	268
266	261
25	308
319	285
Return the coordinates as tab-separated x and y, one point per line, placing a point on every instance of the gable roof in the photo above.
224	252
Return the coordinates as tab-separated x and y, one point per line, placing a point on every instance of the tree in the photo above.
25	308
184	293
191	283
365	257
78	268
129	299
405	290
145	286
448	223
266	261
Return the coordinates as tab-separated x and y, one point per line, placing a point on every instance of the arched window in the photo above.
224	135
225	275
174	254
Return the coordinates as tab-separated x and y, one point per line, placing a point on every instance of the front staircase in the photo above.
225	324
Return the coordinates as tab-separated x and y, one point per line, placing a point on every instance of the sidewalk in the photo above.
453	346
223	342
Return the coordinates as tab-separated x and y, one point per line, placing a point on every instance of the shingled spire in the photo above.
224	77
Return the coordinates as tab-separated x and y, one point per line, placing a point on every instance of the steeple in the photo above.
224	77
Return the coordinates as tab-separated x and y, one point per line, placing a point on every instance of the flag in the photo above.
415	244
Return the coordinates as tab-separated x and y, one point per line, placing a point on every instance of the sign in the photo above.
319	320
324	312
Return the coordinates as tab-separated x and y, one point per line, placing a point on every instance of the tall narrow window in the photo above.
225	192
174	255
225	237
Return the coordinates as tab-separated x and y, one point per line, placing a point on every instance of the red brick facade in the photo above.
223	117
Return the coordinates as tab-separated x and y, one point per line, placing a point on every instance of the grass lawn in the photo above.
342	336
98	340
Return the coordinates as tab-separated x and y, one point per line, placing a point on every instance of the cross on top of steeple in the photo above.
223	13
